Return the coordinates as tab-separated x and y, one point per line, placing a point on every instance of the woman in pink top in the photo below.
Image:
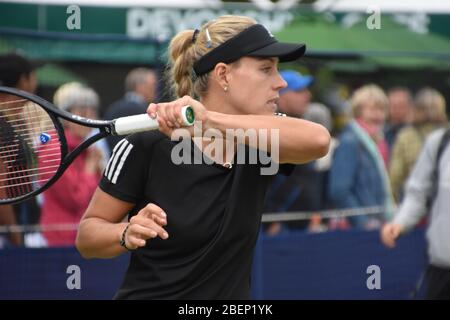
66	200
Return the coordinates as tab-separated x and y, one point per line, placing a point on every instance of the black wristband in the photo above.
122	240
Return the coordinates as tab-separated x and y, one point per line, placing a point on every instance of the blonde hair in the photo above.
75	94
184	51
370	94
429	106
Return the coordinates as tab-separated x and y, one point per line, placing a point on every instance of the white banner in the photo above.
162	24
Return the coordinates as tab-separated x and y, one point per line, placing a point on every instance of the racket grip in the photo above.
143	122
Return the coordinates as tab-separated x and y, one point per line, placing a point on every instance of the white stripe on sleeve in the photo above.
122	161
114	153
116	158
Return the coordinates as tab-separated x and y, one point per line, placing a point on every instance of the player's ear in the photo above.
221	73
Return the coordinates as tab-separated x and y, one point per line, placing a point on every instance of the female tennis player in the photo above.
192	228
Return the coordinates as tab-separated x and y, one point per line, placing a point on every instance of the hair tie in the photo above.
195	35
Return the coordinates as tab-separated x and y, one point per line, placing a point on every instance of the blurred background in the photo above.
314	244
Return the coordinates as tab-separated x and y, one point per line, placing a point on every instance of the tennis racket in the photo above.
33	147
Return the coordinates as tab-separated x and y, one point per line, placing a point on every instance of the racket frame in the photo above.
106	128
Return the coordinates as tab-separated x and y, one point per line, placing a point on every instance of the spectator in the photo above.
18	72
319	113
65	201
303	189
358	176
140	87
419	191
428	115
295	98
400	113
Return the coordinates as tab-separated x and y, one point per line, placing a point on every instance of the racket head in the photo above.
32	145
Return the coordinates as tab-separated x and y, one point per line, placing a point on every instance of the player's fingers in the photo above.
187	101
162	109
152	209
178	107
178	117
199	109
142	232
161	221
152	110
164	113
133	242
149	223
171	117
164	128
162	233
143	220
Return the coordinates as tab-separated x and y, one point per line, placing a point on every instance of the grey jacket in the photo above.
418	187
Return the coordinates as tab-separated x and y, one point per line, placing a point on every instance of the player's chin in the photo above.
268	109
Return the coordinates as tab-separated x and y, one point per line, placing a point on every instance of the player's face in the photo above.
254	85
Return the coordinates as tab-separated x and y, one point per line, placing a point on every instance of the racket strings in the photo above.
30	148
9	102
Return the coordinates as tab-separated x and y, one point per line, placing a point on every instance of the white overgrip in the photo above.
138	123
143	122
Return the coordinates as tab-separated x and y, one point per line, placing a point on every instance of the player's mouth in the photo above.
273	103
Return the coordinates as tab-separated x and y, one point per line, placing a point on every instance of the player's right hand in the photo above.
147	224
389	234
169	116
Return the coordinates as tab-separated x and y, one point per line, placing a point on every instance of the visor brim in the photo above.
284	51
